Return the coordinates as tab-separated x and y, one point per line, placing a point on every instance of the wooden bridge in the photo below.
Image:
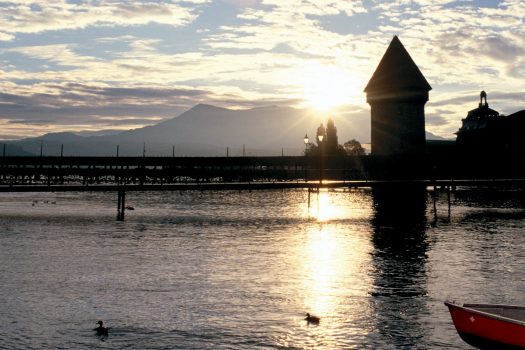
170	170
122	174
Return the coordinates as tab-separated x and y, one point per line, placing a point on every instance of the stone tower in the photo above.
397	93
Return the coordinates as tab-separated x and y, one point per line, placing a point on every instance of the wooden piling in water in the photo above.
121	205
448	200
434	195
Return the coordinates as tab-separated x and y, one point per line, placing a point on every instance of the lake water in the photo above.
238	270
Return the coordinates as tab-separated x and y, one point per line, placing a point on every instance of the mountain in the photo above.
205	130
51	144
431	136
14	150
103	132
264	130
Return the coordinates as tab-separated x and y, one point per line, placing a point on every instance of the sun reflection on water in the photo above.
335	264
327	206
323	270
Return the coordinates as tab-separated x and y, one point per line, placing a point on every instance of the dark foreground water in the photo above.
230	270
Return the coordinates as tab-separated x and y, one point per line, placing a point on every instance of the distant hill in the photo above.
431	136
103	132
13	150
204	130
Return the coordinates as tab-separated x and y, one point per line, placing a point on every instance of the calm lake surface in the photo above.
238	270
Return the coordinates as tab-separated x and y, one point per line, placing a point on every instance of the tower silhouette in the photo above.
397	93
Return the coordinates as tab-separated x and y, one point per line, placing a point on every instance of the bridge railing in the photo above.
165	170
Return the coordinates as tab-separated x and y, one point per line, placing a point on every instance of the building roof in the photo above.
480	118
483	110
397	72
518	115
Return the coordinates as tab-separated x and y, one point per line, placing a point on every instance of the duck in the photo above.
101	330
312	319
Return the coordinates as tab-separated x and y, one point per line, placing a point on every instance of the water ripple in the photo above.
238	270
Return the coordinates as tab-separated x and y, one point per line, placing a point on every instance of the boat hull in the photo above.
486	331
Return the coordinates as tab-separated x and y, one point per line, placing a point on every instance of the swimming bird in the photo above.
312	319
100	329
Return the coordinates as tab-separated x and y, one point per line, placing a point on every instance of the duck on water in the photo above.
312	319
101	330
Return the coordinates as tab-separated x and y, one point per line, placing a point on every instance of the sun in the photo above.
326	87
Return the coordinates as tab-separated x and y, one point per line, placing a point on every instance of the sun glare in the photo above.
326	87
335	274
325	209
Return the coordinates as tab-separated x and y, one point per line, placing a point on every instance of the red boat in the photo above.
488	326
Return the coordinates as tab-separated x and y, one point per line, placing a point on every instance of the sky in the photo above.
107	64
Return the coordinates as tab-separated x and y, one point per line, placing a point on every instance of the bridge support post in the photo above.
434	199
121	205
448	200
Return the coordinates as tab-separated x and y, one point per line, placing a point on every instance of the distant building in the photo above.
330	145
397	93
484	130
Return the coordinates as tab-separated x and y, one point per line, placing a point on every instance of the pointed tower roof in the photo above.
397	72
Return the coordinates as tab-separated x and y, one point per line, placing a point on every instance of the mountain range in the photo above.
203	130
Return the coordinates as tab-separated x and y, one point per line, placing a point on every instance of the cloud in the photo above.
76	94
75	106
256	55
317	7
34	17
260	73
435	119
244	3
6	37
472	98
50	107
501	48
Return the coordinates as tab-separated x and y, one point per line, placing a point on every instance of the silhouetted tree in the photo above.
354	148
